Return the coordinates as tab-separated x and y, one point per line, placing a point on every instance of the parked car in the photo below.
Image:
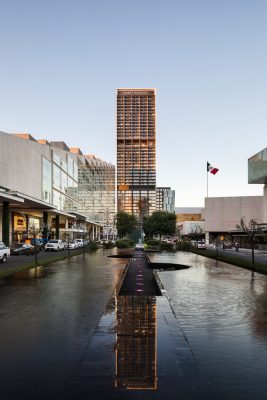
22	248
4	252
55	245
39	244
80	242
72	245
201	245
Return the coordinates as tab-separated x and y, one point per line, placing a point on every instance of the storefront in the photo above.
24	225
19	228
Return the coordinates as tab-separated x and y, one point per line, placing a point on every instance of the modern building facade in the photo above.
165	199
97	177
257	174
43	183
136	151
189	221
222	214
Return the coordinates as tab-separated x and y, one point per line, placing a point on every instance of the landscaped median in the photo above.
43	261
235	259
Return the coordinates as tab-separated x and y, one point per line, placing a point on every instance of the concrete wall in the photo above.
188	227
21	164
223	213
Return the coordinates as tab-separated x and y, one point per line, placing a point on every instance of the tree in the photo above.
160	223
251	229
67	238
125	223
196	232
34	230
217	241
148	226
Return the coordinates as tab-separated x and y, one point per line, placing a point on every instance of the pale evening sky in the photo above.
62	60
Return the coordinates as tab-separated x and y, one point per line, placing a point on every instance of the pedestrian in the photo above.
223	246
236	246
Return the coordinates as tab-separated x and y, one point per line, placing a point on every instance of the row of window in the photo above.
65	193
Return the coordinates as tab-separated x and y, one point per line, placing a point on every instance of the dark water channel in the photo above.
223	312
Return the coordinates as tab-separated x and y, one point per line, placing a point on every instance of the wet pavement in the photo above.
222	310
47	324
20	260
138	351
69	335
242	253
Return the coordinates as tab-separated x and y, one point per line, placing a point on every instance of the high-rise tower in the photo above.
136	151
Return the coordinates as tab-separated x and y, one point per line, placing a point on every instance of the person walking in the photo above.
237	246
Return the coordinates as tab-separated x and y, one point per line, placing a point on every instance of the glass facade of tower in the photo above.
97	177
79	183
165	199
257	168
136	151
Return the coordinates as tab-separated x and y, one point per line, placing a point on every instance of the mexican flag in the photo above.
212	169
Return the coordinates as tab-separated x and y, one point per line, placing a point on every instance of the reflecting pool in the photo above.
223	312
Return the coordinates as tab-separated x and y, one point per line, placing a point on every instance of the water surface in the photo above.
223	312
46	324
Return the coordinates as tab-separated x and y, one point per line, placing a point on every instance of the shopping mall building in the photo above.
53	187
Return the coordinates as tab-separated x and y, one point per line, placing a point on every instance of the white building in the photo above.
39	184
222	214
190	228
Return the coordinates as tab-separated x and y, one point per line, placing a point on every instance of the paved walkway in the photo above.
245	254
138	350
17	261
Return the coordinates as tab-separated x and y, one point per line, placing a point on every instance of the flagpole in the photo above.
207	181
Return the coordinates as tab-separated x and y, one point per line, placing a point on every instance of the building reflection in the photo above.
136	350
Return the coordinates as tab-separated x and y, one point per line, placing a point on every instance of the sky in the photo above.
62	61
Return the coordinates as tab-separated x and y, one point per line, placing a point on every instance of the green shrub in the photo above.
166	246
124	243
92	246
108	245
183	245
152	242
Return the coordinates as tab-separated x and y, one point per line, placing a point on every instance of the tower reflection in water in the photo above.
136	350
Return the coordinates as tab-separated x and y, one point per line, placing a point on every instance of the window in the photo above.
47	181
56	177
